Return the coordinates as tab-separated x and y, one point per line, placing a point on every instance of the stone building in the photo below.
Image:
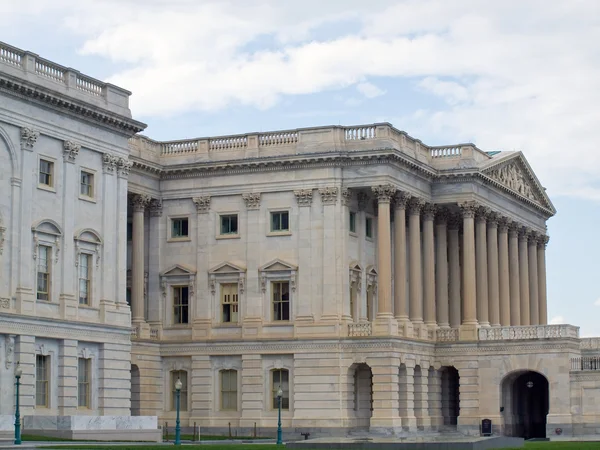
382	283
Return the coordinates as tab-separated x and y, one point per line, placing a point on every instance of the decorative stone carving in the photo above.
514	227
252	200
5	303
429	211
468	209
155	207
124	167
213	284
346	196
415	205
28	138
109	163
139	202
242	283
9	350
41	350
263	284
524	233
70	151
442	215
293	280
329	195
202	203
503	224
514	178
401	199
85	353
304	197
454	221
356	279
543	240
362	200
372	283
384	192
482	213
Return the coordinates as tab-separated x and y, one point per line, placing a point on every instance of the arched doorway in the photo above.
525	404
450	397
361	380
135	391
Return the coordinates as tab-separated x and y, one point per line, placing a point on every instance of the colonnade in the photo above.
494	276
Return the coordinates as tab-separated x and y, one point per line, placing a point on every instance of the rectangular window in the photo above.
87	184
179	228
46	175
83	382
183	393
229	302
229	224
180	304
229	390
280	221
281	379
84	278
43	272
369	227
352	222
41	380
129	231
281	300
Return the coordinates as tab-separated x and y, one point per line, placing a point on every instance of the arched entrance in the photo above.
135	391
450	397
525	404
361	380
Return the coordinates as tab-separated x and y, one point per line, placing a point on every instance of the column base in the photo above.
405	327
409	424
385	326
143	329
468	332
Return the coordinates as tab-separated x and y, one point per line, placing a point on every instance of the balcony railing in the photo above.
528	332
585	363
360	329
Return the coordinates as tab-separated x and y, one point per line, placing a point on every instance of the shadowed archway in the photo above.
135	391
525	404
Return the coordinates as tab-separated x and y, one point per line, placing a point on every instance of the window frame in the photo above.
172	237
230	235
87	362
49	250
46	365
92	186
233	304
352	221
275	387
51	185
229	391
281	302
369	229
183	406
89	258
174	289
281	231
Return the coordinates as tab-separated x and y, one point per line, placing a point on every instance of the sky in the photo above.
511	75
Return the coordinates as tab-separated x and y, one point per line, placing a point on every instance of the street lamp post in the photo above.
18	373
178	385
279	397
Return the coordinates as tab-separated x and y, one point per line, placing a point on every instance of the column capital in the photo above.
202	203
155	207
29	137
139	202
524	233
362	200
346	196
513	228
503	224
109	163
384	192
429	211
493	219
454	221
124	167
328	195
70	151
304	197
401	199
415	205
543	240
442	215
482	213
468	209
252	200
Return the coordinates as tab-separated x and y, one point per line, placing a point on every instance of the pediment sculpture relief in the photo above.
513	177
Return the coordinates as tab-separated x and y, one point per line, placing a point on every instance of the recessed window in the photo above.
180	305
229	390
280	221
129	231
46	175
179	228
229	302
180	375
42	367
229	224
43	272
128	296
369	227
281	300
352	222
281	379
86	187
83	382
84	278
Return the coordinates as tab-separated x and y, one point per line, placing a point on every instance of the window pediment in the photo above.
178	270
277	265
89	236
47	226
276	269
227	268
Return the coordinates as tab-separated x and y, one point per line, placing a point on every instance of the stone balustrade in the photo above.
585	363
590	343
528	332
447	335
361	329
21	64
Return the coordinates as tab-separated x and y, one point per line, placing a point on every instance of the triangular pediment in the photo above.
354	265
513	172
277	265
227	267
178	269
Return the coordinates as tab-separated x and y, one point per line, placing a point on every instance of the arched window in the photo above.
280	378
183	399
229	390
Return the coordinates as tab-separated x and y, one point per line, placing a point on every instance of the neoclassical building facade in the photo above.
383	284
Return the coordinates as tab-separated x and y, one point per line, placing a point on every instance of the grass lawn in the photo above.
528	446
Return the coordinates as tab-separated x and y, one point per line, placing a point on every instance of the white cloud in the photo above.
557	320
515	75
597	302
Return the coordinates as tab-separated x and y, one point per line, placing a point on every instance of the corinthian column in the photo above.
429	264
400	306
416	276
524	276
441	271
515	290
541	257
481	266
504	284
384	194
454	269
468	269
492	255
139	203
533	281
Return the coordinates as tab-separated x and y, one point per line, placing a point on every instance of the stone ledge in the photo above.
102	435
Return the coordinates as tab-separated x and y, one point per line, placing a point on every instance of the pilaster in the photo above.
469	420
25	355
114	384
253	385
67	377
330	305
200	384
422	398
123	167
407	398
304	199
201	323
108	298
386	407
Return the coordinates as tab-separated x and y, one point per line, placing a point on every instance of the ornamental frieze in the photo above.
514	177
